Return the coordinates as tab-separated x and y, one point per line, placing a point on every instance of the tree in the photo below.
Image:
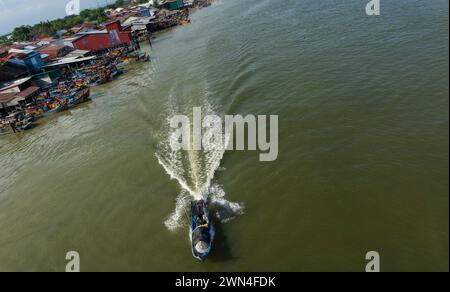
22	33
49	28
4	41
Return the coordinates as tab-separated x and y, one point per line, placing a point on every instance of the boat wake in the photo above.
195	171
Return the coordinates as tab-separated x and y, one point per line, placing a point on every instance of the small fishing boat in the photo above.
33	112
116	73
185	22
27	125
56	109
202	231
133	59
143	57
79	97
5	127
98	82
16	122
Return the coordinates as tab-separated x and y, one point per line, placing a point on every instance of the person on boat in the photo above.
13	126
204	222
198	222
136	45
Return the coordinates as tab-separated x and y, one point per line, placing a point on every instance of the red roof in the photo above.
52	51
16	46
52	48
12	56
83	27
98	40
47	39
29	91
8	97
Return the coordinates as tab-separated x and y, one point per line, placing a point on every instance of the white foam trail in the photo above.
170	169
195	171
225	210
176	218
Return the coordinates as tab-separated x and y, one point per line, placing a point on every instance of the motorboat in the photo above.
202	231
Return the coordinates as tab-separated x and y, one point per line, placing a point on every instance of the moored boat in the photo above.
202	231
79	97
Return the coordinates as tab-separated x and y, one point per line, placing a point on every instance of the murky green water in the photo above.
363	165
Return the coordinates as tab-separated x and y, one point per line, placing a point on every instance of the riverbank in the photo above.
68	90
66	82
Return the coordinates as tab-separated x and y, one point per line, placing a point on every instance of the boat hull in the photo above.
201	231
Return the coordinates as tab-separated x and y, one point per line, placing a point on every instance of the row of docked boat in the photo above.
59	99
96	75
57	102
109	68
72	90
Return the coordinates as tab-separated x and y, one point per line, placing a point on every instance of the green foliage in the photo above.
4	41
49	28
22	33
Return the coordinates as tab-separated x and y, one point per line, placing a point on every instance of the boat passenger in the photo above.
205	222
13	127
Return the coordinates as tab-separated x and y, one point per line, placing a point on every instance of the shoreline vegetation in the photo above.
42	76
50	28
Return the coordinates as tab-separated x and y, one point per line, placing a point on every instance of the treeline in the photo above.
50	28
4	40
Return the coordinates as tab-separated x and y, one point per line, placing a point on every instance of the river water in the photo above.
363	148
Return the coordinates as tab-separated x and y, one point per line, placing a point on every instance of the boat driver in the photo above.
205	222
